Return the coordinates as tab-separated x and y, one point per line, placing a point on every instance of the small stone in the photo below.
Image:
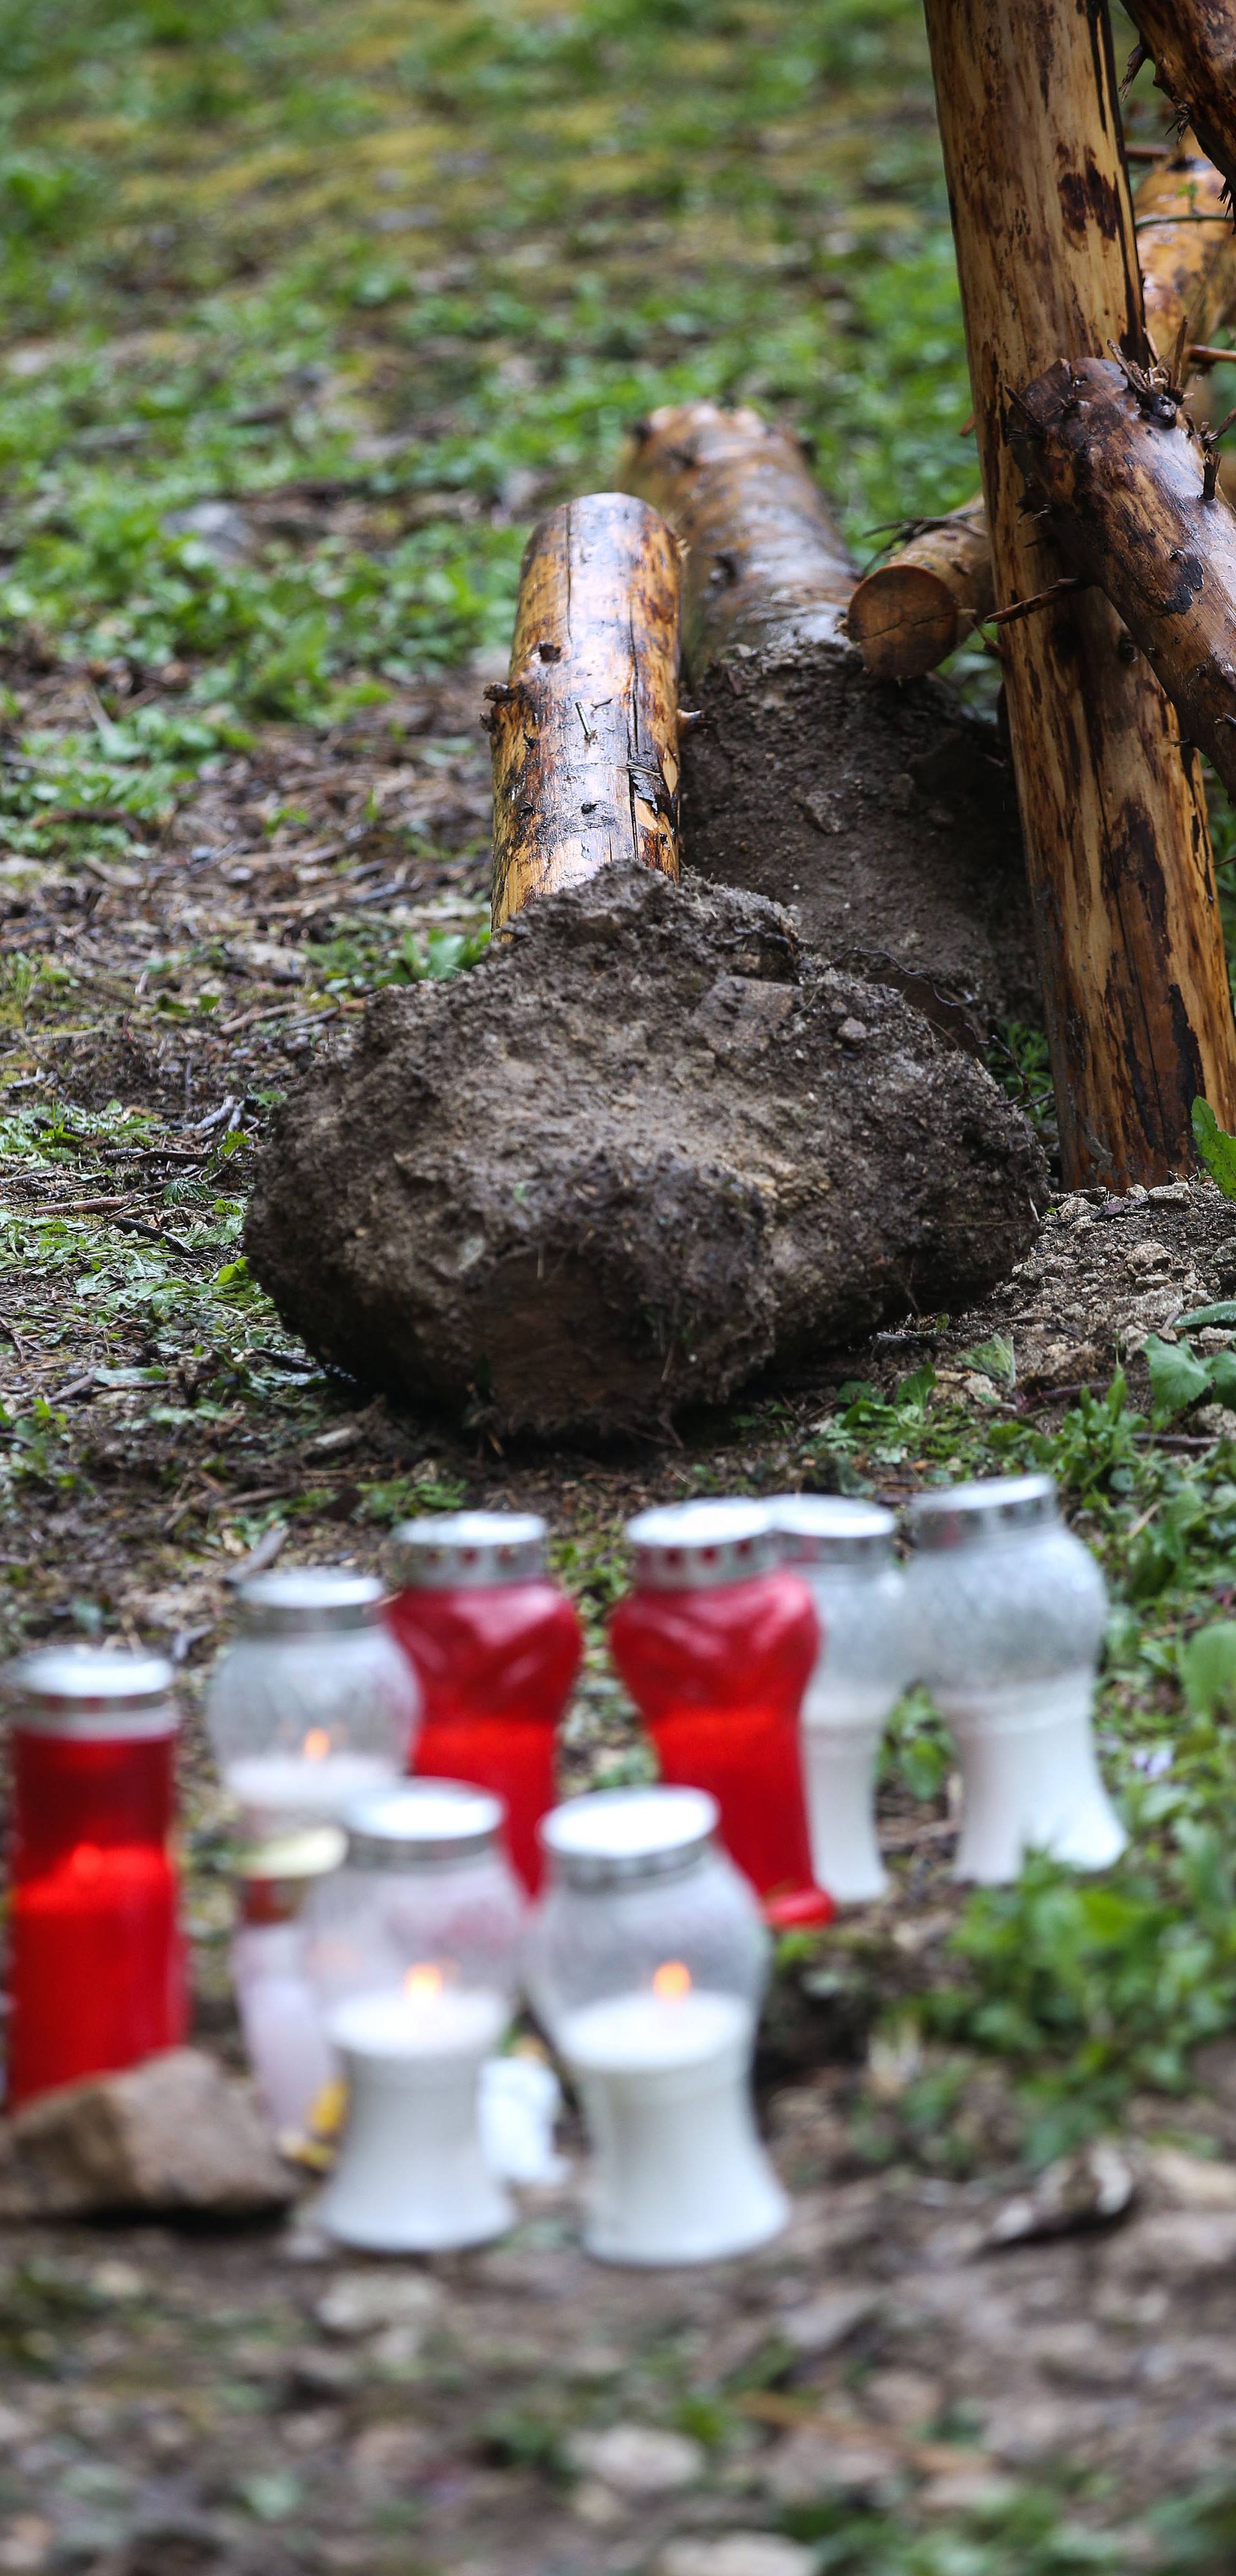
972	2489
221	530
597	2505
740	2553
1193	2182
1170	1194
173	2134
1089	2189
361	2303
810	2464
637	2460
822	2324
852	1033
14	2427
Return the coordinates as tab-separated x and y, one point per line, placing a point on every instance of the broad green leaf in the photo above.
1177	1376
1221	1369
1223	1313
1208	1669
1216	1149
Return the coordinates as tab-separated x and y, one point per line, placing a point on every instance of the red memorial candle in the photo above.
96	1957
495	1646
716	1644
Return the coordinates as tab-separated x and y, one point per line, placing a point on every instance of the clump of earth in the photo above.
650	1148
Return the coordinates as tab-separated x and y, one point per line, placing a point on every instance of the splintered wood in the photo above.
585	732
1139	1020
1192	44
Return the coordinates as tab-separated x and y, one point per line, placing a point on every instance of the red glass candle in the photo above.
716	1644
97	1967
495	1646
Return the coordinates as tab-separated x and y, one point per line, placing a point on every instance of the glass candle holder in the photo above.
646	1961
413	1945
312	1706
280	2010
97	1967
496	1646
844	1551
716	1644
1008	1613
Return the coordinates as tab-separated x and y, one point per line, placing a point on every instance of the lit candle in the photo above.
280	2014
844	1551
660	2046
312	1707
425	1875
96	1956
1008	1611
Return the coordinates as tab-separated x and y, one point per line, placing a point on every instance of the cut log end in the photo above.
905	620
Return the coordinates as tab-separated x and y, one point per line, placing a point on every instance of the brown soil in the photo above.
642	1152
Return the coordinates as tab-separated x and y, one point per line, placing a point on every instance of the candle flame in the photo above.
423	1982
672	1980
316	1745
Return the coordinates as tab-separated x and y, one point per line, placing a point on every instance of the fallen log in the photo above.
914	610
585	731
1123	477
644	1149
1192	44
1118	852
886	817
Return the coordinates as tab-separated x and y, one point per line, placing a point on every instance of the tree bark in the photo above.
585	732
1193	47
885	816
764	557
920	605
1121	873
1123	486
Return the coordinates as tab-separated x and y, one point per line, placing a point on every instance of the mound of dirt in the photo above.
886	816
646	1149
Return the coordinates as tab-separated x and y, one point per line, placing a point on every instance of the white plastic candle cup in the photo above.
313	1706
647	1960
1008	1611
280	2013
844	1550
414	1948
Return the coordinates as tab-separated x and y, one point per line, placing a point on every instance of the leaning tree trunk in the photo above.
1122	478
920	605
585	732
885	816
1121	873
1193	46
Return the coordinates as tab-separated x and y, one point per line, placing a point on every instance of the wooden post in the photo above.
1123	477
1193	46
920	605
585	732
1139	1021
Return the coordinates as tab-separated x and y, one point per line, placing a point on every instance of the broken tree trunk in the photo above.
1122	477
585	732
885	816
1118	851
919	606
1193	47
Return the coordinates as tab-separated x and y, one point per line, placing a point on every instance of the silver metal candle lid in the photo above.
421	1824
89	1692
832	1529
687	1547
469	1549
308	1600
614	1836
993	1507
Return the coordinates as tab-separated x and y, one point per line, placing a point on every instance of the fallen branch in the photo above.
914	610
885	816
1193	47
585	732
1124	480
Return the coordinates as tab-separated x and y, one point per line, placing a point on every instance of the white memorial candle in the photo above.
281	2020
412	2176
317	1781
844	1551
680	2175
